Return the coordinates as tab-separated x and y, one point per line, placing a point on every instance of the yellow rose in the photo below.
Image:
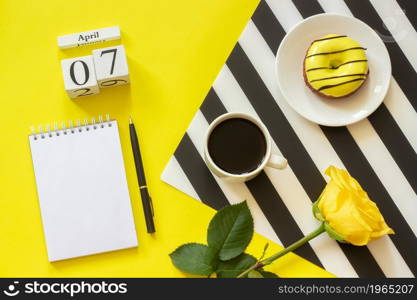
346	208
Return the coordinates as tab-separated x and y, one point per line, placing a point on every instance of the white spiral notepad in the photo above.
82	189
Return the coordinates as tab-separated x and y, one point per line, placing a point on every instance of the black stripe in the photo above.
360	256
278	215
362	260
308	7
199	175
410	10
212	107
359	168
397	144
266	20
401	68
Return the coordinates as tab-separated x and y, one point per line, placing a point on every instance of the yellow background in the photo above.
175	50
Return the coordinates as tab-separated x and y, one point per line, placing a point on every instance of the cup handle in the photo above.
277	162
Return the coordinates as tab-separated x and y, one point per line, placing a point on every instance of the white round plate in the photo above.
321	110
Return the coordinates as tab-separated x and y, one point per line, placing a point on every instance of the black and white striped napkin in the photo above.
379	151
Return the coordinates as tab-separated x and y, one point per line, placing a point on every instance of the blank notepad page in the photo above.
82	190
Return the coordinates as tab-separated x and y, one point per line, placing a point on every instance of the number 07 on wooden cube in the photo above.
111	66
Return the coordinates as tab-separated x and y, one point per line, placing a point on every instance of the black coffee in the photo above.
237	146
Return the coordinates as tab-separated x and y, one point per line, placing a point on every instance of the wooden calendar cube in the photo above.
79	76
111	66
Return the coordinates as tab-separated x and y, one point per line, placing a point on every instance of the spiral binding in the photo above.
64	128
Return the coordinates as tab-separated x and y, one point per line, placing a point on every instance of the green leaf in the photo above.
195	259
333	234
232	268
267	274
254	274
316	211
231	230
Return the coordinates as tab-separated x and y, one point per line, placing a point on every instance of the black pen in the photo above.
146	199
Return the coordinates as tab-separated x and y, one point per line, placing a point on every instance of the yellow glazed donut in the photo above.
335	66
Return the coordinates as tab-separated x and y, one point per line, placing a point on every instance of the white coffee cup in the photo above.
269	159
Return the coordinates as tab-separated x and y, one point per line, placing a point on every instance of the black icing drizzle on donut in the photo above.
338	51
340	76
345	63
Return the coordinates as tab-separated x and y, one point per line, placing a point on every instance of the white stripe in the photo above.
386	169
335	6
310	134
399	26
234	193
388	258
174	175
404	114
286	183
286	12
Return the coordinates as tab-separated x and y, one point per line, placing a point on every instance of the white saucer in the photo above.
332	112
